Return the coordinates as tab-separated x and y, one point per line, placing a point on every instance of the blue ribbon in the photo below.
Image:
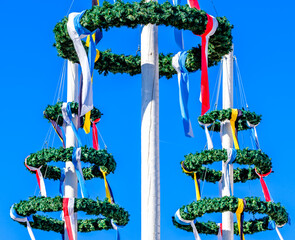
29	218
116	227
183	95
79	176
271	225
69	112
61	181
255	139
178	34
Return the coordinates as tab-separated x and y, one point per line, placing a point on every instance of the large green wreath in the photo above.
133	14
197	209
99	158
217	116
54	112
194	162
89	206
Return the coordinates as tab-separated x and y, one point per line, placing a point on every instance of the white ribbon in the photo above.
253	126
279	234
65	114
87	92
23	219
209	140
39	176
225	175
191	222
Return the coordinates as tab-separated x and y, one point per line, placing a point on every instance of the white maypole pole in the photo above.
70	175
227	141
150	169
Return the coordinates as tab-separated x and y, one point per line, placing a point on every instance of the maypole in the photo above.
70	190
150	169
227	141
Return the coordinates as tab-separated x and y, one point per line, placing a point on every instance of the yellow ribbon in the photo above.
108	194
239	212
234	115
87	122
198	195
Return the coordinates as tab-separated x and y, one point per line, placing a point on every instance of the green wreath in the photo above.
217	116
54	112
253	205
99	158
89	206
194	162
133	14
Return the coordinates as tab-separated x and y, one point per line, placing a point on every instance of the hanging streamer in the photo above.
61	181
94	134
197	184
234	115
108	189
231	156
254	134
76	32
240	216
26	220
39	177
209	140
57	129
67	116
115	227
178	62
178	34
193	4
180	220
68	212
219	235
76	156
263	185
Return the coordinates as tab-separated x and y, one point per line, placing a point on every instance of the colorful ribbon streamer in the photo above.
194	4
26	220
39	177
116	227
178	34
108	189
197	184
76	156
231	156
209	140
68	211
180	220
94	134
234	115
178	62
67	116
263	185
57	129
254	134
240	216
219	235
76	32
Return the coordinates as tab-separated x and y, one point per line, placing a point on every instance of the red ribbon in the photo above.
94	134
194	4
263	185
67	218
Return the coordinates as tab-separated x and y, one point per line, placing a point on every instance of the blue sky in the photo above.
30	73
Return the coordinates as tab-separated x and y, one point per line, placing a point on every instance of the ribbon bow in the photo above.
26	220
178	62
39	177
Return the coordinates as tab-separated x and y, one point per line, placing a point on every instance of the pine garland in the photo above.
54	112
89	206
99	158
253	205
133	14
217	116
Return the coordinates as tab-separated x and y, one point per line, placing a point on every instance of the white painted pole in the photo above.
70	190
227	141
150	169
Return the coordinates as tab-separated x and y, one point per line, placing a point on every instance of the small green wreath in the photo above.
99	158
133	14
89	206
54	112
197	209
194	162
217	116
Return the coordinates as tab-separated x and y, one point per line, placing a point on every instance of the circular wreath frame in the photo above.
142	13
274	211
99	158
54	112
217	116
89	206
194	162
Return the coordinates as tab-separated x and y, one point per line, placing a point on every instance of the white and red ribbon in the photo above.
219	235
39	177
18	218
193	4
68	213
